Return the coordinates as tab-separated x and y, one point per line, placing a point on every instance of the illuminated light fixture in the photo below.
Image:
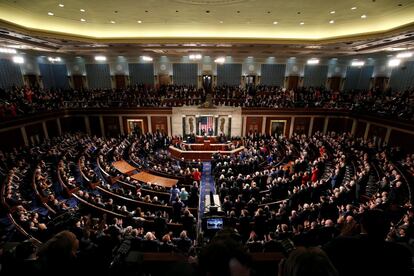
357	63
313	61
17	59
82	19
221	22
332	12
302	23
331	21
139	21
353	8
396	49
8	51
52	59
147	58
50	13
195	56
100	58
220	60
61	5
405	55
363	16
394	62
82	10
275	22
112	22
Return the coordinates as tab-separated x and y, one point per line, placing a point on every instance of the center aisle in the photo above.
206	185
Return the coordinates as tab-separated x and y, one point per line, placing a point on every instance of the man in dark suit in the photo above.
368	253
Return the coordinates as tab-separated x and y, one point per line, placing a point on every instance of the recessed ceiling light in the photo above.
83	20
332	21
394	62
332	12
220	60
8	51
82	10
405	55
50	13
139	21
353	8
363	16
357	63
61	5
100	58
313	61
302	23
147	58
112	22
18	59
275	22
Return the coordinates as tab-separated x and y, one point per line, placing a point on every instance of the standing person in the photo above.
197	175
184	196
174	193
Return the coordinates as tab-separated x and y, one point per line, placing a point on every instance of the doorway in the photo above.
207	80
250	80
77	82
120	81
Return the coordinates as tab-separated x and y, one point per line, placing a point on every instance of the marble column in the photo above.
24	135
312	119
101	123
87	125
121	125
45	132
292	124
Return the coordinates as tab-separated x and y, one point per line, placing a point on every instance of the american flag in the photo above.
206	123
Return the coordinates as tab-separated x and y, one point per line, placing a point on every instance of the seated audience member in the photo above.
307	262
58	255
224	256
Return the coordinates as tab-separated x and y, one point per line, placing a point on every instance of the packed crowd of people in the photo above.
347	196
20	101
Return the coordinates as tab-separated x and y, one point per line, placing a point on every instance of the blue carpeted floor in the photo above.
207	185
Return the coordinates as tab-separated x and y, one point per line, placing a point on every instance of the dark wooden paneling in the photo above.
72	124
293	82
254	124
120	81
360	129
35	133
301	125
77	82
377	130
159	123
318	123
95	125
335	83
339	125
287	127
112	128
10	139
402	139
52	128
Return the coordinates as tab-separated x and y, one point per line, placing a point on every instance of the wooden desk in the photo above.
198	154
154	179
123	167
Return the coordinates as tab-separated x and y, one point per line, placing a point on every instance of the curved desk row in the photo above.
199	154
